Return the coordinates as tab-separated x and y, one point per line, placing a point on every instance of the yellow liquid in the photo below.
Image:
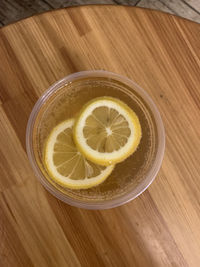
67	102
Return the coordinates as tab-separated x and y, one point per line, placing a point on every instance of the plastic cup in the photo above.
127	181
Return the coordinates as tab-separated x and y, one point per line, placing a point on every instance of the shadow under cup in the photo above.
62	101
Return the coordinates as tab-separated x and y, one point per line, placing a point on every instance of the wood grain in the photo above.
13	10
155	4
161	53
184	9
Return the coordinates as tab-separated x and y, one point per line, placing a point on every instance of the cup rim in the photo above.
145	183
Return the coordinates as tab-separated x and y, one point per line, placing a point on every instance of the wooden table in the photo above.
162	54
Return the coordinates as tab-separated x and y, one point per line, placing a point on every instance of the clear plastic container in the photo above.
129	178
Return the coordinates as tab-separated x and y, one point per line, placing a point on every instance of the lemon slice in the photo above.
66	165
107	131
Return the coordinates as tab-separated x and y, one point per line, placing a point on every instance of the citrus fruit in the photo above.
107	131
66	165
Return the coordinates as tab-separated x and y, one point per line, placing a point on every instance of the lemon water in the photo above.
67	102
